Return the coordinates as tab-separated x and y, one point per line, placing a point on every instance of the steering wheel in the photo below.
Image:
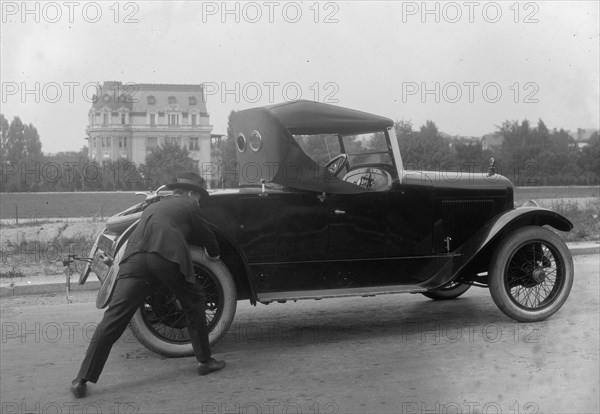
336	164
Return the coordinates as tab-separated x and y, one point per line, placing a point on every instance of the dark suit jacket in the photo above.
167	227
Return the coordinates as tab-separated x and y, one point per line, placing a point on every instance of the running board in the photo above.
338	293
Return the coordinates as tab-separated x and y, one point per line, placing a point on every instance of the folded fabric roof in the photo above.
308	118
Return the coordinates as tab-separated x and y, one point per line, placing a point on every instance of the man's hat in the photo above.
190	181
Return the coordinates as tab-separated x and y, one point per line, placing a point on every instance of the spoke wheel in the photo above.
160	324
162	313
531	274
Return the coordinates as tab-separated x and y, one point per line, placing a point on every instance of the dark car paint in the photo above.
294	240
427	230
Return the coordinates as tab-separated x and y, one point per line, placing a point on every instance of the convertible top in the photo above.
309	118
267	149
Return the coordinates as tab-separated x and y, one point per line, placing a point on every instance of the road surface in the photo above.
394	353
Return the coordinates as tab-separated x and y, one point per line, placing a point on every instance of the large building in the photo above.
128	120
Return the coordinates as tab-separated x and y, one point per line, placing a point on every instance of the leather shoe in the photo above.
78	387
205	368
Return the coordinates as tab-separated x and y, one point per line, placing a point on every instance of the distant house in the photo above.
492	141
458	139
127	121
582	136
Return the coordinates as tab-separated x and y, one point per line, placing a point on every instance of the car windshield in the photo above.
362	149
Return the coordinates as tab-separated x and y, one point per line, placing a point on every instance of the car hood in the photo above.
454	179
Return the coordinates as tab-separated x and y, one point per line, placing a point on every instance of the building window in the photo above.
172	100
151	100
194	144
193	100
105	120
123	119
123	142
193	119
173	119
151	143
173	140
152	119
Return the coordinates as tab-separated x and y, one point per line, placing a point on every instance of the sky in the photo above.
468	66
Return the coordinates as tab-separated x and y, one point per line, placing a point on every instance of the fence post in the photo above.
17	214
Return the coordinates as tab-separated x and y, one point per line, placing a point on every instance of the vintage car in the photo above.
357	225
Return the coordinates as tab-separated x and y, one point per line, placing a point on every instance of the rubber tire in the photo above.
447	294
145	336
499	263
118	224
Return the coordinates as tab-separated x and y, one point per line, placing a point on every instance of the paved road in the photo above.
397	353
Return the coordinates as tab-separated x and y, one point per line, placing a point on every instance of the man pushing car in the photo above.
158	252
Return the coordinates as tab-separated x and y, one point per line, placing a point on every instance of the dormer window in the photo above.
193	100
151	100
172	100
173	119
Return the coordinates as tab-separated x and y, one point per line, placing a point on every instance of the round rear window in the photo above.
255	141
241	142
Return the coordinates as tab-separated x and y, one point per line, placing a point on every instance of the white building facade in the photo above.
127	121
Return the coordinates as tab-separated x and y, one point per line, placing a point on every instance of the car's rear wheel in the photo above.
160	324
450	291
531	274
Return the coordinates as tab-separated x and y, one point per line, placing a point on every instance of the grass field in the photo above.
533	193
64	205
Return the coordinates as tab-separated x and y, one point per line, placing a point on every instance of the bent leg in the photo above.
192	300
127	297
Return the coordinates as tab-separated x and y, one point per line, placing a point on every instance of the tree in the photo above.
33	146
424	149
19	141
3	137
589	161
164	162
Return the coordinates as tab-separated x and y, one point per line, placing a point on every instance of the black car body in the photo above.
362	225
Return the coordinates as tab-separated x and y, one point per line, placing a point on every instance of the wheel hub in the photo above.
539	275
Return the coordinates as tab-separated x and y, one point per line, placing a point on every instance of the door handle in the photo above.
336	211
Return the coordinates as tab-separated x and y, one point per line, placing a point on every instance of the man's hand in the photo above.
213	258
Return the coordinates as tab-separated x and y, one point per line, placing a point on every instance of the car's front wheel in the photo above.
160	324
531	274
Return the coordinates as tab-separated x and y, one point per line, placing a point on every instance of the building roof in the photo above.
139	97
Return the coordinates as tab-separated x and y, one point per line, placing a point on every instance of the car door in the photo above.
357	245
297	236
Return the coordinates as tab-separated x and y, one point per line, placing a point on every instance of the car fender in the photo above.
494	230
220	234
125	235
